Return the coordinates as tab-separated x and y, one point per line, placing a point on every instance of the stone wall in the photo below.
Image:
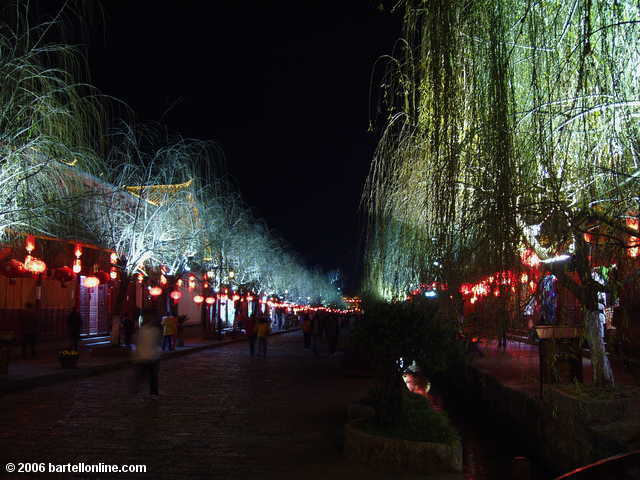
564	431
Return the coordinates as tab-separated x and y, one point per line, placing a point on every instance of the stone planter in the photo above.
397	455
558	331
69	362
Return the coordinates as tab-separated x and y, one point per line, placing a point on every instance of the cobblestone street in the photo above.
221	414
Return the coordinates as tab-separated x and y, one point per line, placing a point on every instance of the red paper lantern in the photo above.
176	295
198	299
113	258
155	291
77	266
210	300
34	265
63	274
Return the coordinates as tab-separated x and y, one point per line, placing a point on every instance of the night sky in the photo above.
282	86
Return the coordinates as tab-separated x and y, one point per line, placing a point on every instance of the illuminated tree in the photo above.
510	124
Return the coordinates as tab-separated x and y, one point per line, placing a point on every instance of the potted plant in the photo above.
68	358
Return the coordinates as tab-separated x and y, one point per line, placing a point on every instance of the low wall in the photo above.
564	431
397	455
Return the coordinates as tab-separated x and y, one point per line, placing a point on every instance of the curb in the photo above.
16	385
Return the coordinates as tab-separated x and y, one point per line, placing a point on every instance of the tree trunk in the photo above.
602	373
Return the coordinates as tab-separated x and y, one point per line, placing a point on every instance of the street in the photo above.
221	414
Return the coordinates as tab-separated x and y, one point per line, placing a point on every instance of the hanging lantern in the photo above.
198	299
176	295
140	277
113	273
634	242
113	258
34	265
77	264
530	258
210	300
91	282
496	293
236	297
179	282
163	280
155	291
30	244
206	285
192	282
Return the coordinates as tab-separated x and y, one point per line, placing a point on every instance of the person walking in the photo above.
127	328
331	331
316	331
29	320
250	330
263	330
306	330
169	331
146	357
74	322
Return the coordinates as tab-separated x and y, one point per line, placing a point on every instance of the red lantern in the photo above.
176	295
30	244
163	280
634	242
113	258
155	291
91	282
210	300
113	274
63	274
14	268
249	298
34	265
77	266
236	297
198	299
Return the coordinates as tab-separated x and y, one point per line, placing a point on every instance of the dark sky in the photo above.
282	86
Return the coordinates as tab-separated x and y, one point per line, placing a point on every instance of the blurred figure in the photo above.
29	322
127	328
331	331
250	329
74	322
306	330
317	323
146	356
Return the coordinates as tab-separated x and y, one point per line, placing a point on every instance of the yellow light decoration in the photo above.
155	291
91	282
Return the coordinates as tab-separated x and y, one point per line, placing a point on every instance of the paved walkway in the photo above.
519	366
45	369
221	414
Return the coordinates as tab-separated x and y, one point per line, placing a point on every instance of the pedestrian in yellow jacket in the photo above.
263	330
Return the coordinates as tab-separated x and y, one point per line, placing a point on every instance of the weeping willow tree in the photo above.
510	123
47	119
